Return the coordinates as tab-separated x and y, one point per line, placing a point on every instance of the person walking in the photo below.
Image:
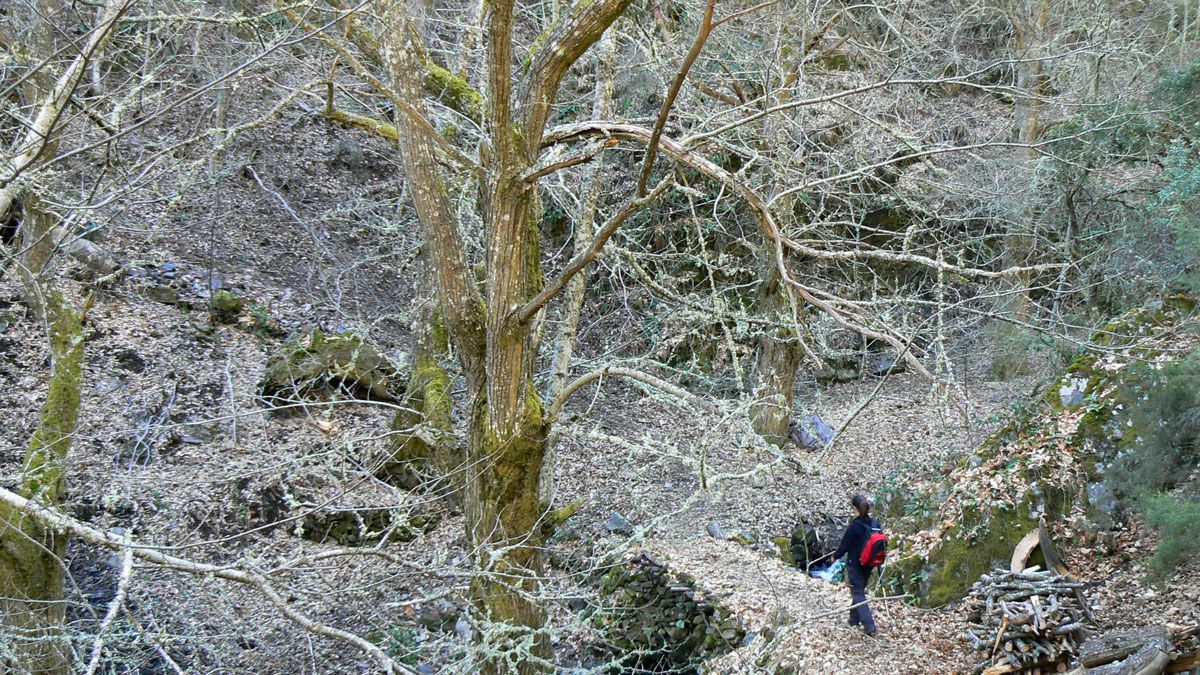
853	541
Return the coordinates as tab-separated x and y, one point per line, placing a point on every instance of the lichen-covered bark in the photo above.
424	451
31	579
495	345
504	509
777	359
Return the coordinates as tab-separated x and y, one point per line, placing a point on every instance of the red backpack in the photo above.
875	550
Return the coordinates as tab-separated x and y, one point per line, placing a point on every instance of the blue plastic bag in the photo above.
833	573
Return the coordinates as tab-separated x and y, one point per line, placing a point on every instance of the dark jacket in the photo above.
857	534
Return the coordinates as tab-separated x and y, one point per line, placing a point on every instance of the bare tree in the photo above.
31	580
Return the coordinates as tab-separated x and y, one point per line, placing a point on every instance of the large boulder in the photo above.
317	361
810	432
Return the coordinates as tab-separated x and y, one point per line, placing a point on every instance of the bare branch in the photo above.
584	259
570	39
54	520
629	373
706	27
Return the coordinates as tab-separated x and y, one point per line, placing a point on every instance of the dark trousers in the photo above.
858	591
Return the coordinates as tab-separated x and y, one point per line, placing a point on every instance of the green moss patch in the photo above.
321	362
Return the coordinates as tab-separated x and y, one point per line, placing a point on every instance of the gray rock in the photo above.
199	434
1071	392
715	531
810	432
107	385
164	294
618	524
462	628
884	364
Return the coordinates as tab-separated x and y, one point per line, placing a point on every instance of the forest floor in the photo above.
175	445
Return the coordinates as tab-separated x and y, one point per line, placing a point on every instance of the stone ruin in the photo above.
656	621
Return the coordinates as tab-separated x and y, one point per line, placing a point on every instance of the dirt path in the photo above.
769	595
897	432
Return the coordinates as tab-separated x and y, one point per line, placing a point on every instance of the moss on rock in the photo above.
317	361
1041	464
226	306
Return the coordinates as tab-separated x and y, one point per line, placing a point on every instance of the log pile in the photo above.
662	621
1029	621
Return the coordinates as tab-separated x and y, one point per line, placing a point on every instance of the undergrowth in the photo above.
1177	519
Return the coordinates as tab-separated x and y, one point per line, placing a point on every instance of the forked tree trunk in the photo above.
496	342
505	423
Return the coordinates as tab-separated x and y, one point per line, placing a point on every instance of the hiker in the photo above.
858	533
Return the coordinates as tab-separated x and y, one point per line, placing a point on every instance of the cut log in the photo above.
1119	644
1150	659
1184	663
1023	550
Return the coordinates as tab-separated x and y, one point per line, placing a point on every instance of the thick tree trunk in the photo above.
496	341
777	358
31	577
503	511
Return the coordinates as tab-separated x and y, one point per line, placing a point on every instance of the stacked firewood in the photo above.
1030	621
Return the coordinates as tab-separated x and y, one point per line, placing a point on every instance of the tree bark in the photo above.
424	451
31	578
506	423
777	357
779	350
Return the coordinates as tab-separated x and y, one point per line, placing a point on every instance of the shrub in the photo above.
1159	426
1177	521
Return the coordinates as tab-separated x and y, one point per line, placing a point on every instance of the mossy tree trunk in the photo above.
779	351
32	605
31	576
494	339
424	451
777	357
